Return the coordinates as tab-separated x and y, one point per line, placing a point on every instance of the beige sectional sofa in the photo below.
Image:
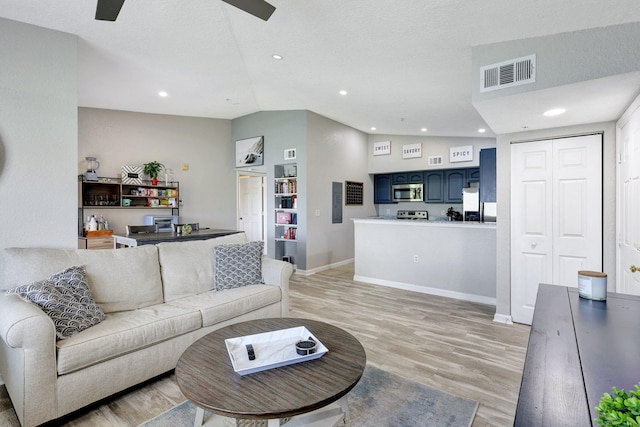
157	300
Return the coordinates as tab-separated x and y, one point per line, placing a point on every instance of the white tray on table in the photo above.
272	349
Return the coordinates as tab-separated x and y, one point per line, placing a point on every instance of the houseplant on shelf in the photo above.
152	169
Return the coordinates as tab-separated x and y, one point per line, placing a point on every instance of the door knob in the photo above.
633	268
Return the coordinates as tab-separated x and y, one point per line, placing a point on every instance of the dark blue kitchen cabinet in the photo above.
415	177
382	188
487	175
454	181
400	178
473	175
433	187
408	178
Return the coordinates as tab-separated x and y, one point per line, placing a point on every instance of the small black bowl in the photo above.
306	347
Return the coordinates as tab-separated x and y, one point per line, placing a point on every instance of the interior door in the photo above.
577	207
251	206
531	225
629	207
556	216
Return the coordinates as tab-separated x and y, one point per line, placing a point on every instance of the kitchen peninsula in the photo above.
446	258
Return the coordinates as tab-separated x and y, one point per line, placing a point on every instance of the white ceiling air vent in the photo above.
513	72
435	160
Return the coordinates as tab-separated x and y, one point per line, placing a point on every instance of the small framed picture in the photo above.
132	175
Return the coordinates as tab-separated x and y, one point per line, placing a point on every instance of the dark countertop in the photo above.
155	238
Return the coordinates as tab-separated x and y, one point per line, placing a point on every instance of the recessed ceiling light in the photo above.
554	112
343	92
163	94
278	57
373	128
482	130
424	129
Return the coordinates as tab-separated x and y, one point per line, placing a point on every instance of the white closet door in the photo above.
629	206
556	216
577	207
531	225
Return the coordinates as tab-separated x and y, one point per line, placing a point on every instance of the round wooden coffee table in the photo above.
206	376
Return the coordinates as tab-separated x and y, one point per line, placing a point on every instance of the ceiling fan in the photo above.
108	10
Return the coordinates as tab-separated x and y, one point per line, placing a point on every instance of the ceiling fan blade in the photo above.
108	10
258	8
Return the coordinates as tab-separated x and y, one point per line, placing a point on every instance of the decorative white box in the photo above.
272	350
132	175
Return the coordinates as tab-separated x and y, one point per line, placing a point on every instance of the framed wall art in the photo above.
132	175
250	152
461	154
381	148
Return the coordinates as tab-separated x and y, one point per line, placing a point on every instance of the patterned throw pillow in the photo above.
65	297
238	265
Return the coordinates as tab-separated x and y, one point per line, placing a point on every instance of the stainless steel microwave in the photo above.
408	193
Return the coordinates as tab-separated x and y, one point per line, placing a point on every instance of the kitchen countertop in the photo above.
423	222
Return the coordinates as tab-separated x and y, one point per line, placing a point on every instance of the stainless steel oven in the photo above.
408	193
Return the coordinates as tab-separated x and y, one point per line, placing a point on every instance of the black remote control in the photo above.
252	355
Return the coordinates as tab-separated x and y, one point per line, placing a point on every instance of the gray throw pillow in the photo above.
65	297
238	265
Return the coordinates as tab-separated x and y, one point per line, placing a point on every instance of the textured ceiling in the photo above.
406	64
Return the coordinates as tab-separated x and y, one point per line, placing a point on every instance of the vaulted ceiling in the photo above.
405	64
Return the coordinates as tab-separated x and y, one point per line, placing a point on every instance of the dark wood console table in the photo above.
578	349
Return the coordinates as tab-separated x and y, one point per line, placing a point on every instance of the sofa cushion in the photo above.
220	306
119	279
187	267
238	265
65	297
125	332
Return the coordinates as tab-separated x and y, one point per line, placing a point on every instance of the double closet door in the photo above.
556	216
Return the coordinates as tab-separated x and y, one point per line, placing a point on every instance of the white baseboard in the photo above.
427	290
324	267
503	318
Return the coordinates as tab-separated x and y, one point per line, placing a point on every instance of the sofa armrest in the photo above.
28	359
276	272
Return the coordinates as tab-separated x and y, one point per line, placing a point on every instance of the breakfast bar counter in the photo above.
448	258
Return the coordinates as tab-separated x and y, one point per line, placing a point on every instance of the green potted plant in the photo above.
620	408
152	169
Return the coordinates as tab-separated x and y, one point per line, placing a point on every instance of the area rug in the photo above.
381	399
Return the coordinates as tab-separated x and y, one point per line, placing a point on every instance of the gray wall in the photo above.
281	130
336	153
38	136
327	151
207	188
503	290
431	146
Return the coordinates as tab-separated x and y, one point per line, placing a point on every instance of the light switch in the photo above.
317	212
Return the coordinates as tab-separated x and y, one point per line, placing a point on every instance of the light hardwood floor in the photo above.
444	343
